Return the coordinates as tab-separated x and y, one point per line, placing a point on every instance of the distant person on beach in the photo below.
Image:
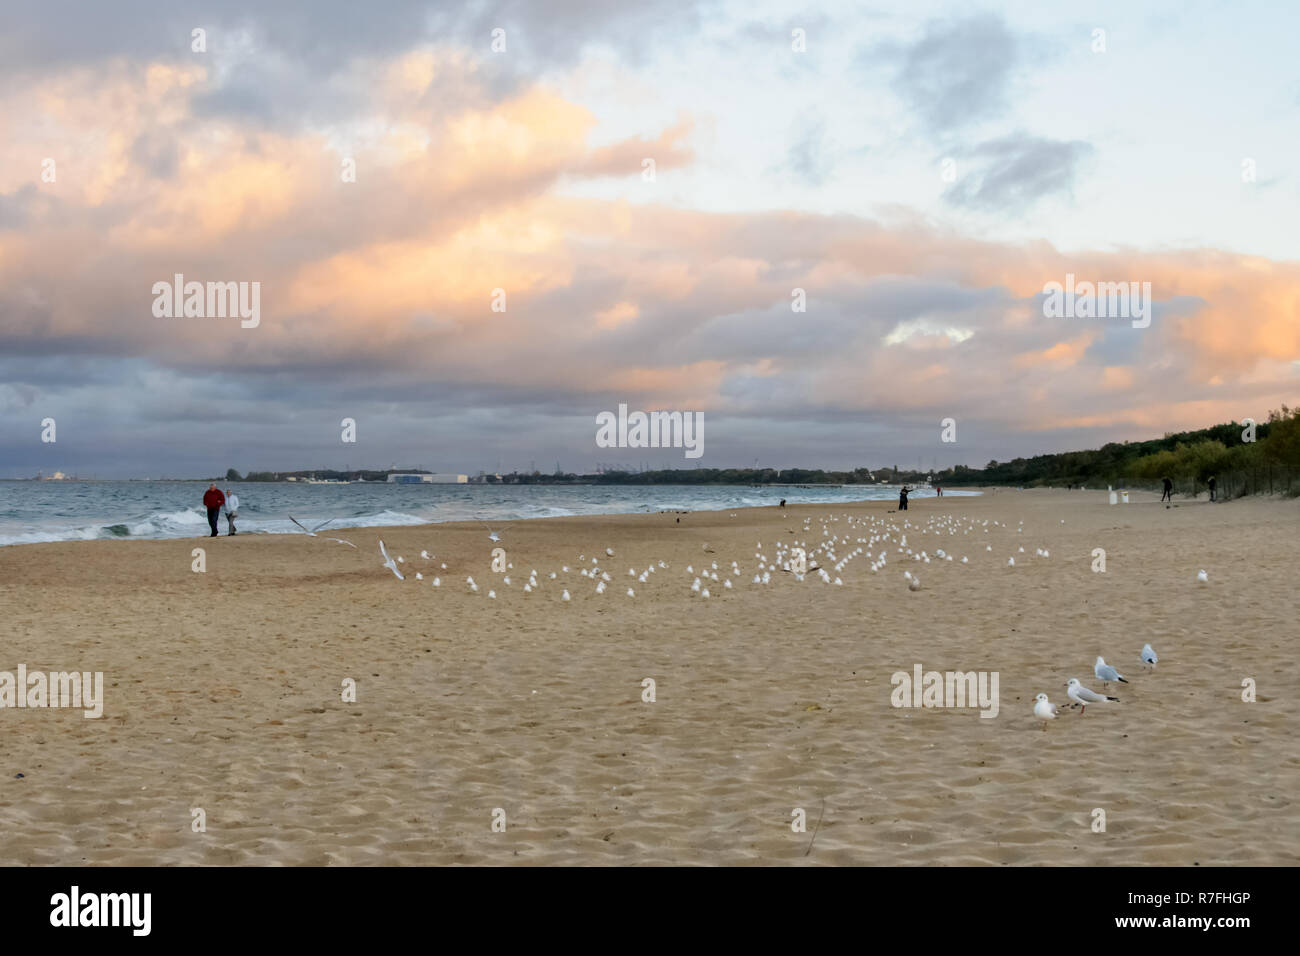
1213	483
902	498
782	502
232	510
1169	490
938	491
213	499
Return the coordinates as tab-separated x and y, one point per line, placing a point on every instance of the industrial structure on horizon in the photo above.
434	479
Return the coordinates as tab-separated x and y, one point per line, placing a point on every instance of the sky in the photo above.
474	227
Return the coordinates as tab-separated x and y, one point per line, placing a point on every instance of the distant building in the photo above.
435	479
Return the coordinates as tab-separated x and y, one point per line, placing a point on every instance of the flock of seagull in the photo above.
837	548
1045	710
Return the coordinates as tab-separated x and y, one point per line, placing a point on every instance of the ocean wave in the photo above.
42	514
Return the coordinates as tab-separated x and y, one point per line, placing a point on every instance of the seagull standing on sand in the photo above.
1149	656
1105	673
389	562
1082	696
1044	709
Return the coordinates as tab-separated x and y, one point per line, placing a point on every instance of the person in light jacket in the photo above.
232	510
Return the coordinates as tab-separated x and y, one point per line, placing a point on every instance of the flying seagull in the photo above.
1105	673
389	562
312	532
1082	696
492	535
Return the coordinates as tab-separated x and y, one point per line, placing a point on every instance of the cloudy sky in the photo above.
919	170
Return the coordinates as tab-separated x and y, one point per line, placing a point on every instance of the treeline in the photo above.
1268	464
716	476
742	476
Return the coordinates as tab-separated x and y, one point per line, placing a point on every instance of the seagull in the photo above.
1081	695
1105	673
1202	577
312	532
1044	709
389	562
1149	656
492	535
914	584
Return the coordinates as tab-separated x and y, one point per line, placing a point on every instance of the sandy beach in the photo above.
223	692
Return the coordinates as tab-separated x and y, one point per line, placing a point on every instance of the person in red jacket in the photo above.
213	499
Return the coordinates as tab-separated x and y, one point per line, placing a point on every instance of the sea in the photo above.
37	511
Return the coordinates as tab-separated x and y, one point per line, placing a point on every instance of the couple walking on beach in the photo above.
214	501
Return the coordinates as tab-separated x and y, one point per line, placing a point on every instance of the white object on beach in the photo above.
1044	709
704	593
1082	696
1149	656
1105	673
914	584
437	582
492	535
1202	577
564	596
1011	562
631	593
388	562
610	552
